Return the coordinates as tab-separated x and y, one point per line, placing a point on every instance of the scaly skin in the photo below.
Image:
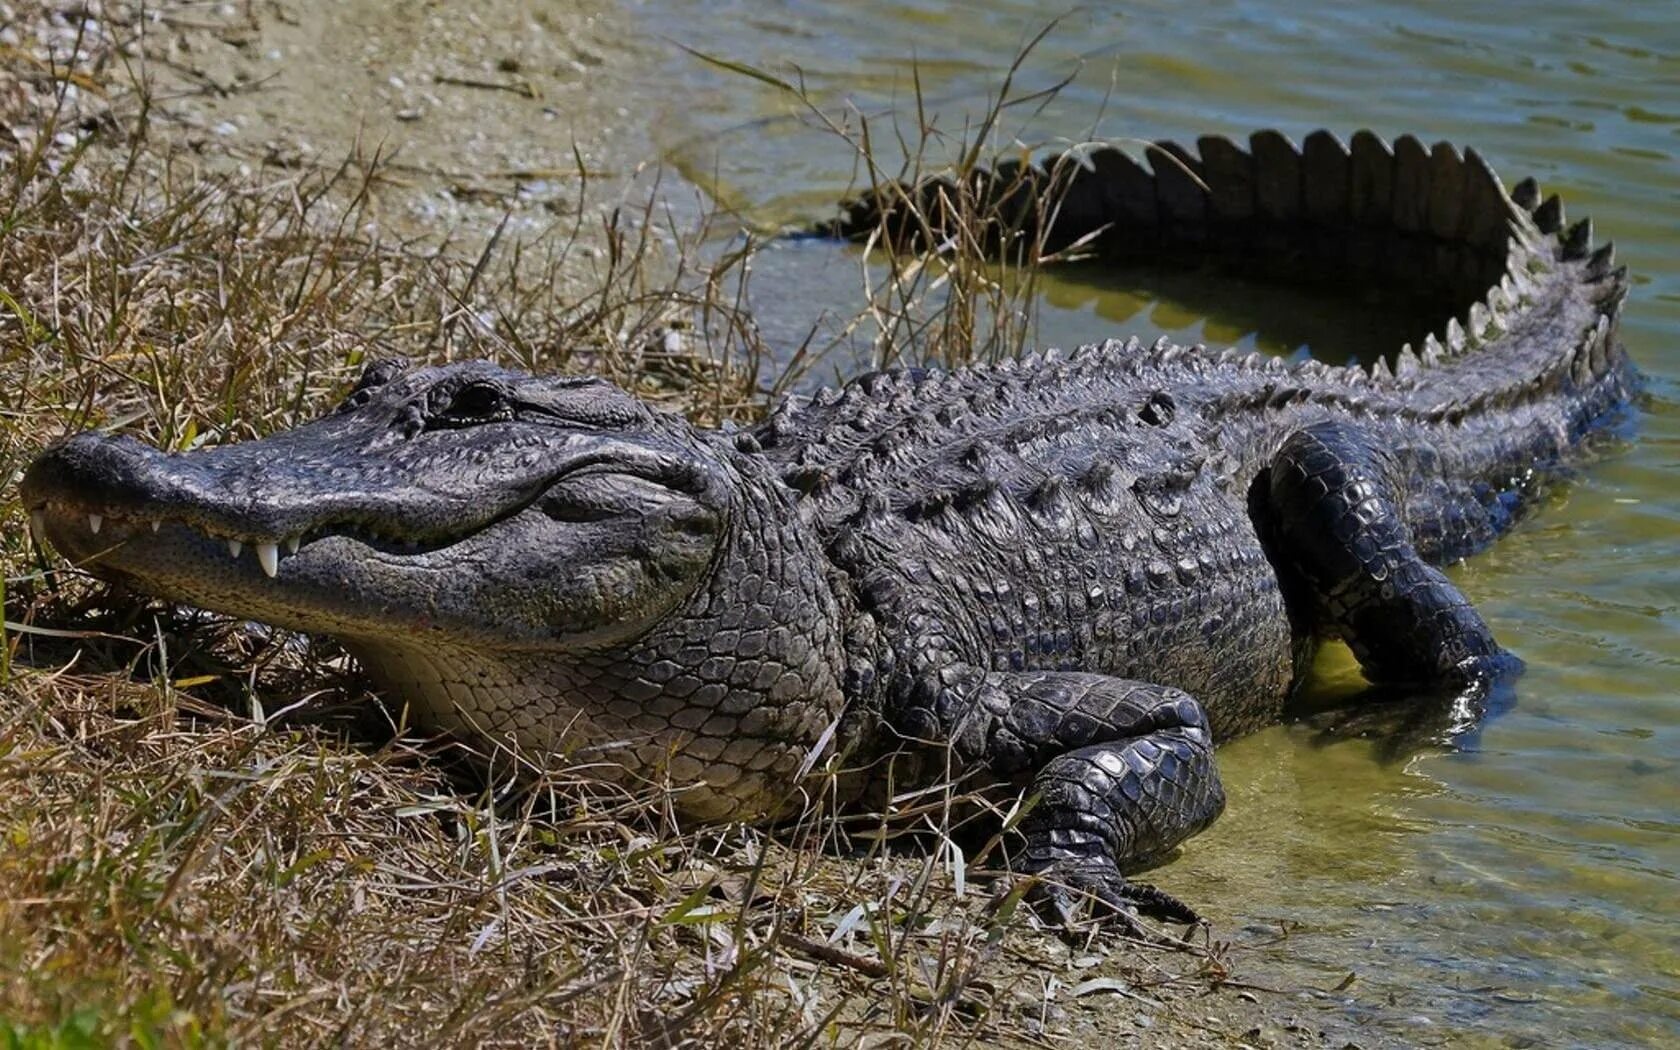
1068	575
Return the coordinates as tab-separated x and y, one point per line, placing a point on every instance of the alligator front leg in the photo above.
1121	773
1337	532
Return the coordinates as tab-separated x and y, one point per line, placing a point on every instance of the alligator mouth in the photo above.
110	503
114	503
120	527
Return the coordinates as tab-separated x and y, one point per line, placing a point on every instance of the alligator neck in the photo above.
720	704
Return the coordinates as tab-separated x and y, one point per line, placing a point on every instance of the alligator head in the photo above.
484	507
543	563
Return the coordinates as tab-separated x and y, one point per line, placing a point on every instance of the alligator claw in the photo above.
1066	887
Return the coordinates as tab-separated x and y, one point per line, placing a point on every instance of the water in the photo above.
1523	893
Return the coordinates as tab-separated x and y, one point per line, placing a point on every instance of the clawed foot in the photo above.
1063	888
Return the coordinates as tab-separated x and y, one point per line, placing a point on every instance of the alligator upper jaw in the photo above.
112	502
356	546
338	579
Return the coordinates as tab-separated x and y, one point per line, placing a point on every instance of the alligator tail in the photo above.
1527	307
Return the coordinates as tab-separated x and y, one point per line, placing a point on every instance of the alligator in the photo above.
1061	579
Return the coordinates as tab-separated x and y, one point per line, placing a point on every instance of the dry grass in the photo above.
952	221
213	833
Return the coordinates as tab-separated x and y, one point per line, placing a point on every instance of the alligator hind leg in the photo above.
1107	807
1335	527
1121	773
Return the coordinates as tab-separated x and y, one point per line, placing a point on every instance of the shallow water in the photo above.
1520	892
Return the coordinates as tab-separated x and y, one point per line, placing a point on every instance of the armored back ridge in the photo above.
1069	575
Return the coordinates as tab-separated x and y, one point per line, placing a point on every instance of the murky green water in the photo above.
1521	893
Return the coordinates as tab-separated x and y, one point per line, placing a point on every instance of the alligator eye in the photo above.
476	401
470	403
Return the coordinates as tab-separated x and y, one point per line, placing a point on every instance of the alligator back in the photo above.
1092	510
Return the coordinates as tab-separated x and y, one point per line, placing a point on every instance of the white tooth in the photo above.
292	544
157	523
234	547
94	521
38	527
268	556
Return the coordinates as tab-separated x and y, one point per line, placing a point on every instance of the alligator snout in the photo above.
99	473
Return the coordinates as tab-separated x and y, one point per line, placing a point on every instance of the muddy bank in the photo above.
473	114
